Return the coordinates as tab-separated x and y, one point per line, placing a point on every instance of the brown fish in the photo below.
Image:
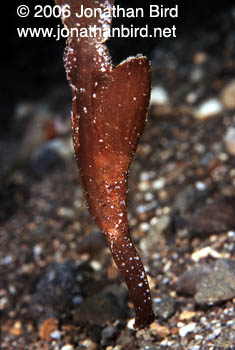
109	113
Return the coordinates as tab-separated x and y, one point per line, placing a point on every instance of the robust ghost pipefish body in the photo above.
108	117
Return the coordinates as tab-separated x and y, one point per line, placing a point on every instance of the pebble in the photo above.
143	208
144	185
204	253
216	217
89	344
104	306
148	196
159	96
3	303
55	335
55	289
191	97
208	109
228	95
159	330
130	323
188	281
93	243
144	176
200	186
164	307
197	74
218	285
184	330
67	347
198	337
6	260
96	265
158	232
213	335
37	249
46	158
186	315
158	184
209	283
77	300
48	327
17	328
186	199
144	226
230	141
108	334
200	57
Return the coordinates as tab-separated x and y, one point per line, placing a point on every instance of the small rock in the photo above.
55	335
89	344
209	283
45	159
230	141
16	329
92	243
6	260
143	186
228	95
47	328
159	330
96	265
186	315
216	217
205	252
184	330
107	305
214	334
164	307
188	281
67	347
159	231
200	186
158	184
186	199
108	334
208	109
55	289
197	74
130	323
218	285
159	96
200	57
191	97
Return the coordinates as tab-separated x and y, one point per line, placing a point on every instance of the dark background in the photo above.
31	66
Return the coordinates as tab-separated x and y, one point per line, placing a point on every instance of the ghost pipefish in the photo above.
109	109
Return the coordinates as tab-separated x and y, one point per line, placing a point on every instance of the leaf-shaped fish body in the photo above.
109	114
